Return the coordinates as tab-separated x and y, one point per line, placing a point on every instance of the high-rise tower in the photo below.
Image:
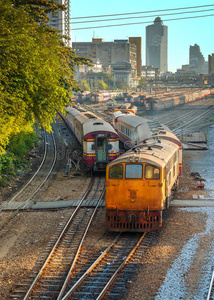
61	21
157	45
196	60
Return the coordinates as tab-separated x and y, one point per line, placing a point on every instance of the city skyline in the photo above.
181	33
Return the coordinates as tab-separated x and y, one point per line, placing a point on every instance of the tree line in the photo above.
36	67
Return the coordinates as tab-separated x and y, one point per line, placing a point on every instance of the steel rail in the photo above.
38	188
59	239
211	287
102	294
90	269
50	171
182	116
44	157
195	120
31	179
103	254
79	248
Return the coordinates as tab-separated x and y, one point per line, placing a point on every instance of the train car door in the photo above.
101	148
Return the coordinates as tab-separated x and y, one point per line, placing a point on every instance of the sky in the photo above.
181	33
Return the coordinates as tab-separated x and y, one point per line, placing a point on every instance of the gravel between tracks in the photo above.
177	264
160	273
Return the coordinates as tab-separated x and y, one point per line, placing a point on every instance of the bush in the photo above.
22	143
7	164
18	147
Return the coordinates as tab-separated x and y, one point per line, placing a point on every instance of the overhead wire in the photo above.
126	24
144	12
55	18
140	17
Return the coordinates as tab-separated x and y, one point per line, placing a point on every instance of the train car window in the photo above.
134	171
152	172
116	172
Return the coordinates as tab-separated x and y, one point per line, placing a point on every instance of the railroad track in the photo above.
97	280
51	278
194	121
34	185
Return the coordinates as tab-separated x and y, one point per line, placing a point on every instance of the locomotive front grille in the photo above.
136	221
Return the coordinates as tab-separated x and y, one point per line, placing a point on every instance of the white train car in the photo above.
98	138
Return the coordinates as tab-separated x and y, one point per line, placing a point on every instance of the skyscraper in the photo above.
196	60
61	22
157	45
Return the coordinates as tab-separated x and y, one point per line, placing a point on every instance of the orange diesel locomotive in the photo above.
139	184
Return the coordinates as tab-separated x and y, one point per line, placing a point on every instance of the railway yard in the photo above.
67	252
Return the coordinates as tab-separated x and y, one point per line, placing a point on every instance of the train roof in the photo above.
134	121
155	153
97	125
131	119
148	129
85	117
74	112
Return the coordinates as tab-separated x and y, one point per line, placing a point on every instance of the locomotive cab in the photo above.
138	186
132	190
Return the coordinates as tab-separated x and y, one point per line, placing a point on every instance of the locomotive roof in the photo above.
97	125
155	153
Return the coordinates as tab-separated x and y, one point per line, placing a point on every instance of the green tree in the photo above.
102	85
84	85
36	68
93	78
142	83
122	84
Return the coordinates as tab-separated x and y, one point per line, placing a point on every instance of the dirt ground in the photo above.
27	235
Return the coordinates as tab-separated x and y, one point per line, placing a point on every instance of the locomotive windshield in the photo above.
152	172
134	171
116	172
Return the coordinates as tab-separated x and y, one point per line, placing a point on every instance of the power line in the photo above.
144	12
126	24
139	17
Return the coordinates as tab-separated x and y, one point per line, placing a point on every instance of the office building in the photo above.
157	45
61	22
137	42
211	63
197	62
111	52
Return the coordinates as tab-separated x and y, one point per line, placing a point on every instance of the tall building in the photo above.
137	42
61	21
196	60
157	45
211	63
211	69
110	52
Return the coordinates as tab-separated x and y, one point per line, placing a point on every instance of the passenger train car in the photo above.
139	184
166	101
133	130
98	138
